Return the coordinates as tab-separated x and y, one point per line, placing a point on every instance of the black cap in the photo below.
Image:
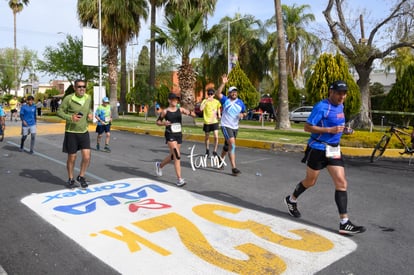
30	97
339	86
173	96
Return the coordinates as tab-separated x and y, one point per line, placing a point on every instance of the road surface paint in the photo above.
141	226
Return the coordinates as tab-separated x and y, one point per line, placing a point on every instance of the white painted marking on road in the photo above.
141	226
90	175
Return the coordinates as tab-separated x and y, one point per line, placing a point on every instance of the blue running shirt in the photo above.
324	114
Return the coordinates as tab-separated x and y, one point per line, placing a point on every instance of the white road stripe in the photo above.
90	175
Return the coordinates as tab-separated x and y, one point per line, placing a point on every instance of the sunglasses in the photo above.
210	93
78	87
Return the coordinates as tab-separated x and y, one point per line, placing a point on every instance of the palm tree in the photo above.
186	7
16	6
283	114
295	23
246	33
301	45
120	22
183	33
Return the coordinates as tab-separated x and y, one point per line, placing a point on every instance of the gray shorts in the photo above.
28	130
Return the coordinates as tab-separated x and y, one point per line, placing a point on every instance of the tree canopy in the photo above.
328	69
65	60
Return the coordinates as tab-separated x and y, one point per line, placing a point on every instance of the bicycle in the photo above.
381	146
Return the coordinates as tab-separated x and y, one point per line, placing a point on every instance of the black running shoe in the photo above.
350	228
235	172
71	184
82	181
292	208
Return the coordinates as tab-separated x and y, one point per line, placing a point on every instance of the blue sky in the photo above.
42	23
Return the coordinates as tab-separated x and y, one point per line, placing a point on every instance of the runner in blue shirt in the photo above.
28	118
104	119
233	110
326	125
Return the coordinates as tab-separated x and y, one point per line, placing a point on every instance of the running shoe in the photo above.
292	208
158	170
82	181
180	182
107	149
70	184
235	172
97	147
350	228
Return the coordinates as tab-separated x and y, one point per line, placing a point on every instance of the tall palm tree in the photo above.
283	113
171	6
16	6
295	21
120	22
245	42
184	34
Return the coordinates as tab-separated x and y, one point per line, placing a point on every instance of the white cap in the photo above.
232	88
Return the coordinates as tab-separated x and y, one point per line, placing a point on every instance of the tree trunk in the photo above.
363	120
113	78
282	121
122	96
152	47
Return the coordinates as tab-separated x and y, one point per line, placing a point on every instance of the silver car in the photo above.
300	114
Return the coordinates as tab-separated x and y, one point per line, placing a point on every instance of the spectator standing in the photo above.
14	105
233	111
173	135
104	120
211	115
39	106
76	110
28	118
2	123
326	124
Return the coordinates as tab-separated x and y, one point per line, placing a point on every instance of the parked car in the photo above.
300	114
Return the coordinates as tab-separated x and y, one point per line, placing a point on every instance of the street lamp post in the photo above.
133	64
100	47
228	44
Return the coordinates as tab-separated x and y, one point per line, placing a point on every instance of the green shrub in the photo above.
366	139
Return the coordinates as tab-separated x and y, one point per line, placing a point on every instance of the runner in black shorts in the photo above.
317	160
211	115
76	110
74	142
171	118
326	124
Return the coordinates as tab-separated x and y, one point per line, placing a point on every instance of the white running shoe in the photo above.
180	182
158	170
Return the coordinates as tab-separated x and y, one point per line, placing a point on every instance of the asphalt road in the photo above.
380	198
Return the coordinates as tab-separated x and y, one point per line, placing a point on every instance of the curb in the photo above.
266	145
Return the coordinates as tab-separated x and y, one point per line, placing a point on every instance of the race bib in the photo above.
333	152
176	127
